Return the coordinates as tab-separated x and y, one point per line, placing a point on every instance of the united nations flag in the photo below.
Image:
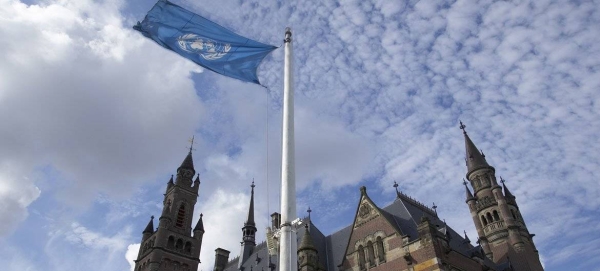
204	42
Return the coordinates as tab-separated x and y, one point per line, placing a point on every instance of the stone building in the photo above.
405	235
174	245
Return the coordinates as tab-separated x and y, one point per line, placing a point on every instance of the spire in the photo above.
307	242
468	192
507	192
150	226
199	225
250	220
475	159
467	240
188	162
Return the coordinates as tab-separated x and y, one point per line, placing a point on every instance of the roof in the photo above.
188	162
404	214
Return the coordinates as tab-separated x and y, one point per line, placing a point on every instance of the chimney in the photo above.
221	259
275	220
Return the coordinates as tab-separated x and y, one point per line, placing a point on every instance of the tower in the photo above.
503	234
307	253
173	246
249	231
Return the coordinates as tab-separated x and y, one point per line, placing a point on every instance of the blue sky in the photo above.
95	118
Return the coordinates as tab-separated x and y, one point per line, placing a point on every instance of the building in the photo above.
405	235
174	245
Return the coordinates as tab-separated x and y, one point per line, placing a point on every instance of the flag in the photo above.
203	42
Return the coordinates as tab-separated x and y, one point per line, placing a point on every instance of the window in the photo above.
170	242
188	247
484	220
371	253
180	216
361	257
496	216
179	245
380	251
489	217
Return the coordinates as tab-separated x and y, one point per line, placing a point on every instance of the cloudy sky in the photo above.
95	118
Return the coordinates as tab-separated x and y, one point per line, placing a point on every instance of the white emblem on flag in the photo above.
207	48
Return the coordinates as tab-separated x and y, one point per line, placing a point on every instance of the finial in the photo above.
252	185
309	211
501	180
482	155
191	144
464	182
462	127
396	186
151	217
201	215
288	35
435	209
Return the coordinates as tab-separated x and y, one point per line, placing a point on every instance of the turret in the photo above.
307	253
249	231
149	230
493	212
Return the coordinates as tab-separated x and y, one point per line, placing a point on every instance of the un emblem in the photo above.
207	48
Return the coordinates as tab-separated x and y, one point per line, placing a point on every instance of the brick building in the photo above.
405	235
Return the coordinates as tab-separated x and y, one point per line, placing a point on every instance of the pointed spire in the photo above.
468	192
188	162
475	159
199	225
307	242
507	192
171	180
250	220
150	227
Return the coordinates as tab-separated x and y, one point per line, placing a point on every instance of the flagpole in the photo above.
288	242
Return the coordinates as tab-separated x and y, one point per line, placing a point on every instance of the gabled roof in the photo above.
404	214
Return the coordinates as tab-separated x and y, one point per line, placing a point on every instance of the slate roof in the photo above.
404	213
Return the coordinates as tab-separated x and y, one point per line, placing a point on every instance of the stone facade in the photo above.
405	235
174	245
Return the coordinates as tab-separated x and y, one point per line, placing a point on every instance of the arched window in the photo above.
180	216
179	244
484	220
380	251
361	257
170	242
489	217
371	255
188	247
496	216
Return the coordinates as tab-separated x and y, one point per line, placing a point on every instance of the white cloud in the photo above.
131	255
380	87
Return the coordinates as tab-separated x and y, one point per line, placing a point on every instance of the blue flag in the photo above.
204	42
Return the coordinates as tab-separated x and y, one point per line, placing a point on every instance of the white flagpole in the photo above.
288	243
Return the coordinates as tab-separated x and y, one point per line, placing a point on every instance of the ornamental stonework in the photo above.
366	212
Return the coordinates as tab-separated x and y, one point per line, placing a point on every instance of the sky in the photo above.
95	119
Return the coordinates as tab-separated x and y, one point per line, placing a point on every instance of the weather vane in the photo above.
462	127
191	144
